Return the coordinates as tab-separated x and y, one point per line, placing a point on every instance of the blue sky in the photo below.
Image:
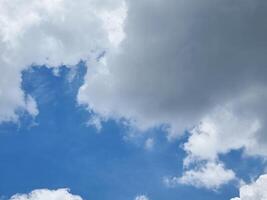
58	150
133	100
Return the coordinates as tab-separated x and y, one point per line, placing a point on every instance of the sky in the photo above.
133	100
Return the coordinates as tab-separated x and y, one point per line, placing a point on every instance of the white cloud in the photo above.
238	124
149	143
45	194
113	23
209	175
59	194
31	106
51	32
254	191
222	131
95	121
141	197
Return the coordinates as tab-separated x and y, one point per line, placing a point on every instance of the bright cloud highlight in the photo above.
254	191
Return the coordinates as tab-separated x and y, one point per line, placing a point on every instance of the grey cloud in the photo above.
180	60
185	63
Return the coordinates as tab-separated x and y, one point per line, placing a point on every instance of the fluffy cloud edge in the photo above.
210	175
46	194
256	190
56	194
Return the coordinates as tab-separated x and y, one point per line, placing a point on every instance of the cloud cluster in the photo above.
187	65
45	194
218	134
51	33
254	191
196	66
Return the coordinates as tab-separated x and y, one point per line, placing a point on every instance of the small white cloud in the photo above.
210	175
31	106
45	194
141	197
96	122
254	191
149	144
56	71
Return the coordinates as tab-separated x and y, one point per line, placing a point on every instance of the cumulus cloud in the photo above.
45	194
254	191
176	63
224	130
210	175
51	33
196	66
